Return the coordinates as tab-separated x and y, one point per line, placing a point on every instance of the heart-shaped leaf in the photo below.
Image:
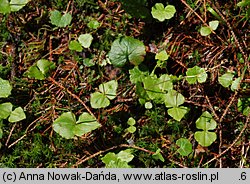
226	79
185	146
5	88
86	123
17	115
98	100
177	112
60	20
196	74
109	89
206	122
75	45
67	126
174	99
213	24
158	156
163	56
205	138
85	40
5	110
41	69
205	31
126	49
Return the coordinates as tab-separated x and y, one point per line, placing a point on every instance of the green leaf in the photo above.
158	156
65	124
174	99
177	112
152	87
243	3
93	24
17	115
131	129
214	24
85	40
226	79
5	88
185	146
98	100
41	69
205	138
1	135
75	45
163	56
119	160
126	49
4	6
45	66
109	89
165	82
170	11
125	155
196	74
5	110
34	72
148	105
58	20
235	84
244	106
160	13
85	124
206	122
136	75
131	121
205	31
16	5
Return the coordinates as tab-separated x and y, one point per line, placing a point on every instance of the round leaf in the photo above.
148	105
98	100
58	20
174	99
17	115
131	129
65	124
93	24
170	11
158	12
235	84
196	74
5	110
131	121
126	49
5	88
226	79
75	45
205	138
45	66
205	31
109	89
86	123
85	40
185	146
